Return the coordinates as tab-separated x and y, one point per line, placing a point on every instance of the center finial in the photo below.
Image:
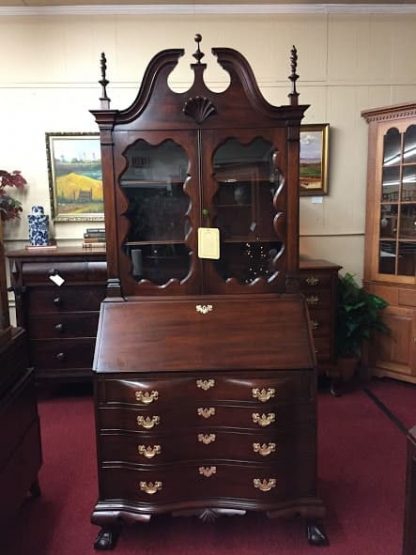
198	55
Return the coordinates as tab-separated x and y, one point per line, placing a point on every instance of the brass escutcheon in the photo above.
263	420
264	449
206	439
312	280
312	300
148	422
146	397
204	308
150	487
264	485
206	413
150	451
207	471
205	384
263	395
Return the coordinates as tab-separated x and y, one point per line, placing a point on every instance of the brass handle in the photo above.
314	324
59	327
146	397
204	308
151	487
148	422
263	395
264	449
205	384
61	356
312	300
264	485
57	301
263	420
206	439
206	413
149	452
312	280
207	471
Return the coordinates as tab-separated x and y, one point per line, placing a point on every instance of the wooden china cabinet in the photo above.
204	369
390	239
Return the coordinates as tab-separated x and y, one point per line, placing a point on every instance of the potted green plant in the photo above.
359	314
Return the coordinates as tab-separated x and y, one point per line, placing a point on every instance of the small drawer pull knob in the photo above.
264	485
60	356
59	327
146	397
263	395
57	301
151	487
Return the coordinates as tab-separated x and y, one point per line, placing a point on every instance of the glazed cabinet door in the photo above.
158	209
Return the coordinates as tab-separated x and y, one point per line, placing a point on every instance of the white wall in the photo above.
347	63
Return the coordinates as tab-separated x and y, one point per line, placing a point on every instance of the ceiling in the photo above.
38	3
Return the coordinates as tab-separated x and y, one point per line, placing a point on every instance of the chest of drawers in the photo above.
204	408
318	283
61	320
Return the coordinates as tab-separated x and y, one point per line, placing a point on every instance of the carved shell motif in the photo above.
199	108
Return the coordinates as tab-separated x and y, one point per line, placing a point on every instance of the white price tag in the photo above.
57	279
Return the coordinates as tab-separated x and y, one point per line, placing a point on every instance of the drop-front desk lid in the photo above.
215	333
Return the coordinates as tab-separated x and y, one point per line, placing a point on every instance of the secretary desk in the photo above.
204	367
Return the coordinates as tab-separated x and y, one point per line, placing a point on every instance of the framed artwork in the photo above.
313	179
75	178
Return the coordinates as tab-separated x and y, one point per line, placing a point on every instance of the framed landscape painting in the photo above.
313	179
75	178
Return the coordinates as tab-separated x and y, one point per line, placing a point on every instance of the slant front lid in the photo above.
210	333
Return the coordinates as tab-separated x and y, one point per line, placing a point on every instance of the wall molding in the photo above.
208	9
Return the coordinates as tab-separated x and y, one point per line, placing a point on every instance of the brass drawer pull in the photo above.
204	308
265	449
312	281
264	485
263	420
207	471
206	413
148	422
146	397
205	384
314	324
149	452
312	300
151	487
263	395
206	439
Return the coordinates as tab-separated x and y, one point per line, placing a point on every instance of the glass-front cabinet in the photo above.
200	188
390	238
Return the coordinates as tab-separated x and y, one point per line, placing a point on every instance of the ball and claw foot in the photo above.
106	539
316	534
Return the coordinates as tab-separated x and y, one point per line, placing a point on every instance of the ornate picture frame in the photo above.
313	159
75	177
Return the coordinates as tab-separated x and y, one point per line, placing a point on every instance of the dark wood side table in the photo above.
409	530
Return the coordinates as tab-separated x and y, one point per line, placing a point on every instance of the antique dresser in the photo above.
204	367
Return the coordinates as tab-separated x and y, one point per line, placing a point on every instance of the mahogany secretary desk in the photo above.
204	368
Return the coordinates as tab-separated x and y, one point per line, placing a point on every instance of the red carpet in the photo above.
362	471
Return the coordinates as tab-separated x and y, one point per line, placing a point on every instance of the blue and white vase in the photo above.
38	227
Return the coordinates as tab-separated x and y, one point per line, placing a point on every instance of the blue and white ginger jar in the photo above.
38	227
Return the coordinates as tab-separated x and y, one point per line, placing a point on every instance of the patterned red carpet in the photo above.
361	469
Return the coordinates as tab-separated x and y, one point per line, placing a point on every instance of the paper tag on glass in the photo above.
57	279
209	242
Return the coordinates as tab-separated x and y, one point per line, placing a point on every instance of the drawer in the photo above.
18	411
62	353
63	299
63	325
82	270
320	322
205	416
318	298
323	348
252	387
259	446
193	482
